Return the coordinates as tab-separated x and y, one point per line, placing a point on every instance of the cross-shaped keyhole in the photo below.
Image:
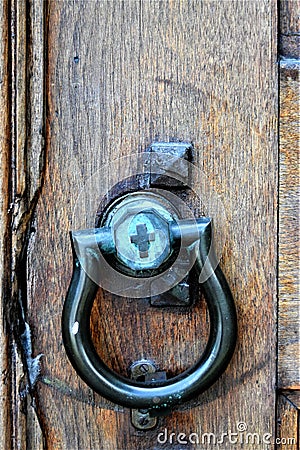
142	239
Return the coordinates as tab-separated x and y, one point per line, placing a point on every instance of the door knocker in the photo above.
142	235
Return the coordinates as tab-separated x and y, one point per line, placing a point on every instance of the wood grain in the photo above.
289	307
120	75
289	43
288	408
23	172
5	422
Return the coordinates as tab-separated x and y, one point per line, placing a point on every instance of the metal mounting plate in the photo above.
146	370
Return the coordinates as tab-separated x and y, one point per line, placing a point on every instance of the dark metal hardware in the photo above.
179	295
146	371
139	224
178	154
176	151
161	395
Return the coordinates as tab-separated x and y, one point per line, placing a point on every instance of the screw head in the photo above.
141	368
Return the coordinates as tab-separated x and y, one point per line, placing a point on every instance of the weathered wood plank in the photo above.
289	28
289	253
293	397
5	423
120	75
24	172
16	424
288	421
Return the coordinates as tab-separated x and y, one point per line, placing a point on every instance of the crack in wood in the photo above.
25	182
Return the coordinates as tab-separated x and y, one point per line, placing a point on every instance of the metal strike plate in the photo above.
162	170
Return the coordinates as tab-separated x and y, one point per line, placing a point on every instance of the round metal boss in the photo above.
140	227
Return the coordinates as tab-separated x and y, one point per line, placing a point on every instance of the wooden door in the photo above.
86	83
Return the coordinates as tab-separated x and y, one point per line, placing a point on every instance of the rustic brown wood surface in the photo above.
289	307
116	77
119	76
288	421
4	206
289	28
22	165
288	273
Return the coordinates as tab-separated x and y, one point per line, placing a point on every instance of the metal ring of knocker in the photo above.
158	395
